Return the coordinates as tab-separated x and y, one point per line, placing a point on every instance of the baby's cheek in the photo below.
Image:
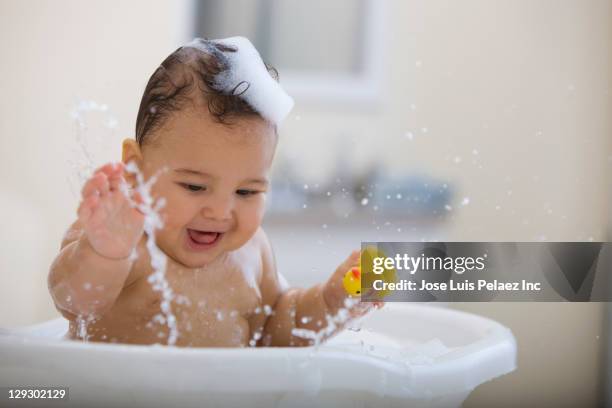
177	212
163	193
250	220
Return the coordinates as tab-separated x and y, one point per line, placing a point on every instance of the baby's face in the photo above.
214	183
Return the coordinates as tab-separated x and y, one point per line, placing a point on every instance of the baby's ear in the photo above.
131	152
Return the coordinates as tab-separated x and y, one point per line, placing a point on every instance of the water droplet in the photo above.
364	201
267	310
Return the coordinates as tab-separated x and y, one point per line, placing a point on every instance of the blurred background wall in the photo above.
506	102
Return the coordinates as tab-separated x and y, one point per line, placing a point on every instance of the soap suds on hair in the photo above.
248	76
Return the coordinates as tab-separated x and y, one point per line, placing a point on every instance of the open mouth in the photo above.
202	239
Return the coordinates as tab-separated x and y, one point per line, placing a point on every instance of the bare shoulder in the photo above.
271	283
272	280
262	243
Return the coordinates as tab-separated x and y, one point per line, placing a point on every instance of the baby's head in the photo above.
211	145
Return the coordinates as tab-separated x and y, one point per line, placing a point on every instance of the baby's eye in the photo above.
193	187
246	193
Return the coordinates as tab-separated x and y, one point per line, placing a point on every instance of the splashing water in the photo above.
152	221
82	322
82	165
82	168
333	322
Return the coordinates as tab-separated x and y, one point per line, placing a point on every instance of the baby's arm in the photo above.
81	281
94	262
298	308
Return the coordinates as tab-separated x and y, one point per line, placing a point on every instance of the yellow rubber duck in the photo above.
352	281
353	278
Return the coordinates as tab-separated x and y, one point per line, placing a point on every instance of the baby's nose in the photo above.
218	208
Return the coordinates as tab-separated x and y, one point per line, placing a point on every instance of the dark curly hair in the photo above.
189	73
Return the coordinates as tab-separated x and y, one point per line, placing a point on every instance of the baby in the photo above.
208	132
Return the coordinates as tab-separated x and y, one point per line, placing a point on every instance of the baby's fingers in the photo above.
354	257
110	169
115	182
351	261
113	173
87	207
96	185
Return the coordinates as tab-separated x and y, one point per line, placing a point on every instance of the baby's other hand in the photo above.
111	224
335	295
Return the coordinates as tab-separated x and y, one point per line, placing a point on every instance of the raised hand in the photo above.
335	294
111	224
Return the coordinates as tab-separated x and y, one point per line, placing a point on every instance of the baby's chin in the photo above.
193	262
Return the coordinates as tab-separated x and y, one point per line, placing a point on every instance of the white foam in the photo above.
263	93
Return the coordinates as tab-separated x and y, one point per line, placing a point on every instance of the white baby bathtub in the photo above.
407	355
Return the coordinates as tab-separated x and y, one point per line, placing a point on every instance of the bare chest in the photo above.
211	306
